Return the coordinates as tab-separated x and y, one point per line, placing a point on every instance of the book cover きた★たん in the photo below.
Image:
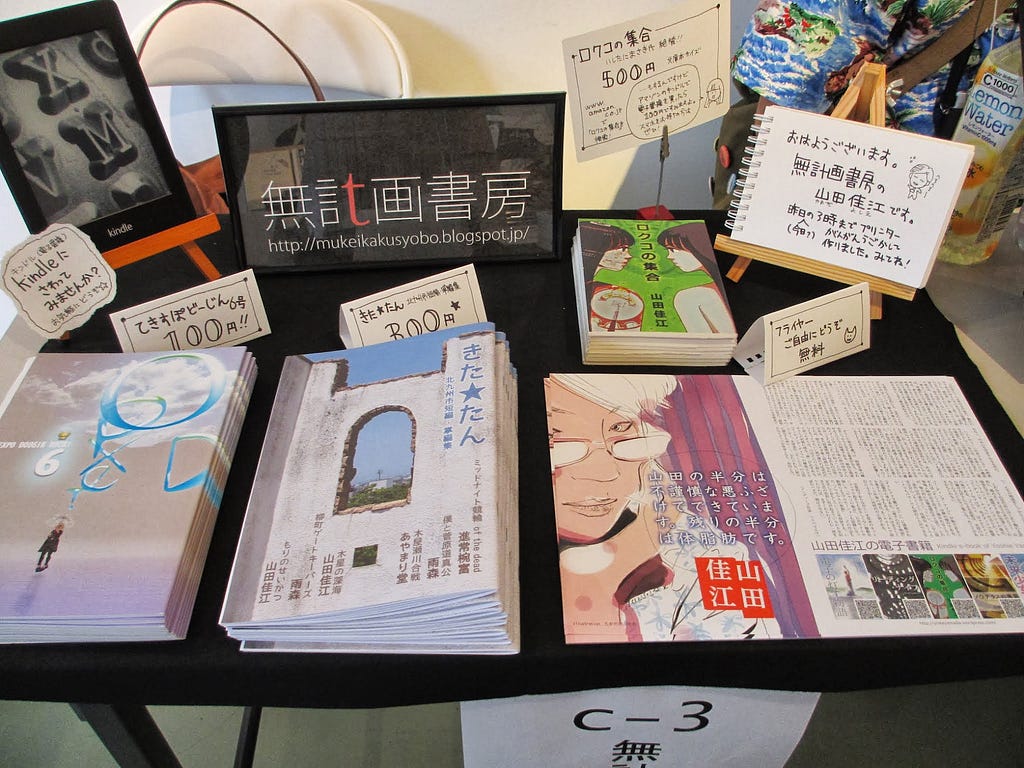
384	512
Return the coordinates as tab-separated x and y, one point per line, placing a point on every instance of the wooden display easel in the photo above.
182	235
864	101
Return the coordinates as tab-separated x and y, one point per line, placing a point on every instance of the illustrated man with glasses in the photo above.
622	579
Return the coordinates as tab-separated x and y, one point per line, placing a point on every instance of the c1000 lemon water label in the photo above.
992	123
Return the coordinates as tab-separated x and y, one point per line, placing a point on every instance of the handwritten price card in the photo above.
222	313
629	81
58	279
442	301
807	335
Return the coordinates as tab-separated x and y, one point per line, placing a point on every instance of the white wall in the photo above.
516	46
465	47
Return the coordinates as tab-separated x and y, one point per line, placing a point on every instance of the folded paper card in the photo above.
807	335
222	313
441	301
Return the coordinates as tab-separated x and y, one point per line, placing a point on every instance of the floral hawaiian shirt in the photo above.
803	54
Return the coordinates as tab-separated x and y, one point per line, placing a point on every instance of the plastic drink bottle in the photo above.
993	123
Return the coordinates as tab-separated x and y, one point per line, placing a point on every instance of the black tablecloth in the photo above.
532	303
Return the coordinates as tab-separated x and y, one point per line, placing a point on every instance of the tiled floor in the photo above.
42	734
977	723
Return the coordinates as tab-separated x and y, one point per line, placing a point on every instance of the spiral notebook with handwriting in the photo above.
864	198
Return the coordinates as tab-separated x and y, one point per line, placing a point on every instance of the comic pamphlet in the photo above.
113	466
710	507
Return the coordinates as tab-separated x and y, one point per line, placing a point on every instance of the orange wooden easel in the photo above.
182	235
864	101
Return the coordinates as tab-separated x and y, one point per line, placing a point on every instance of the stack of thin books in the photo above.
384	512
650	293
113	467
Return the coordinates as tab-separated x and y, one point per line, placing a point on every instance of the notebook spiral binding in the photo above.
747	174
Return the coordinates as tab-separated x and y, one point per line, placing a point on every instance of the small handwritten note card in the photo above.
442	301
807	335
222	313
58	279
627	82
857	196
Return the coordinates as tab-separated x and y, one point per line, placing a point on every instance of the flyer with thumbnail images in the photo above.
710	507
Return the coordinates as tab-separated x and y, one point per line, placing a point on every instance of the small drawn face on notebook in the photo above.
615	260
597	456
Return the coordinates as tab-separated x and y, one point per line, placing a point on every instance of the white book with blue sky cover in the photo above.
383	512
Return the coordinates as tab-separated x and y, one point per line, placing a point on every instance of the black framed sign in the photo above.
374	183
81	140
